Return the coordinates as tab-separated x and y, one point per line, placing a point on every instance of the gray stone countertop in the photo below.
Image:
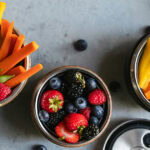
111	28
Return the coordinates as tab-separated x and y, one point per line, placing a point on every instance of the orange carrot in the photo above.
6	43
4	27
12	43
21	77
19	43
16	71
13	59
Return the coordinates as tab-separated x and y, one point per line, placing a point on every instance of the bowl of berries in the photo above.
71	106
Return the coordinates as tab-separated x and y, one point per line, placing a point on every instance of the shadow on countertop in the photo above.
17	114
112	68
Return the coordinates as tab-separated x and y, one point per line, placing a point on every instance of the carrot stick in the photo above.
16	71
2	9
12	43
19	43
21	77
14	58
6	43
4	27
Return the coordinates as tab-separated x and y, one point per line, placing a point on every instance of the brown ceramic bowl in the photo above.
35	106
17	90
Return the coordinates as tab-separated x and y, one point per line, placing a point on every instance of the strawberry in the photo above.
86	112
75	121
52	101
97	97
5	91
64	134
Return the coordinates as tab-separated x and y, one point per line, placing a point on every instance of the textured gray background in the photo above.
111	28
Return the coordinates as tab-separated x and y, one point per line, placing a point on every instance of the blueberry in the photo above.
98	111
39	147
80	45
94	120
70	108
114	86
80	103
44	116
55	83
91	84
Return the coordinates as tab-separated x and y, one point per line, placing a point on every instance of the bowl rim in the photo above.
34	111
134	71
20	87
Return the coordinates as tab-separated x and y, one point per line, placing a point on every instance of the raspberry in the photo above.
86	112
4	91
97	97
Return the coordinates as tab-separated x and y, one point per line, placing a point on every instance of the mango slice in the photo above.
144	67
2	9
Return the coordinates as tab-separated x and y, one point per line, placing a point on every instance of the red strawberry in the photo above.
63	133
4	91
52	101
97	97
86	112
74	121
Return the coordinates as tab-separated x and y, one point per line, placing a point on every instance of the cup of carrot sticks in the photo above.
15	62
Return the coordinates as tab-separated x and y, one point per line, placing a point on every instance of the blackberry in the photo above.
63	88
70	77
74	77
55	118
90	132
75	90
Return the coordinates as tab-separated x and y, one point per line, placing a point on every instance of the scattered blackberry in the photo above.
75	90
90	132
55	118
75	77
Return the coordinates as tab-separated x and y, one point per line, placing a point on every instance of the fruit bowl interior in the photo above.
17	90
43	86
134	70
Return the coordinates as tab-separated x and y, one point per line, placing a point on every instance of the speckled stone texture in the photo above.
111	28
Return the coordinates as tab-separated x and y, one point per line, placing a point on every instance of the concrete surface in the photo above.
111	28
